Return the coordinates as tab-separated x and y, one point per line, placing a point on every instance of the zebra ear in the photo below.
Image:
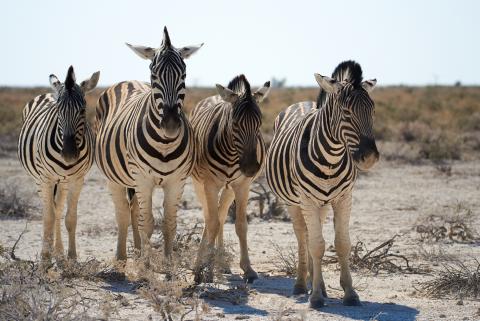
226	94
142	51
330	85
55	83
187	51
91	83
368	85
262	92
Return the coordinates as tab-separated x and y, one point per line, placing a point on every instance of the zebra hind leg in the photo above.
134	213
122	213
46	194
207	191
226	200
60	195
172	196
300	230
144	191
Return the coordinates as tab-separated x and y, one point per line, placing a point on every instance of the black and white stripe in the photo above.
230	154
144	140
56	148
312	162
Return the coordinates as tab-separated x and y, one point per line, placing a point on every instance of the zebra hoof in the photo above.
353	301
316	302
299	289
250	277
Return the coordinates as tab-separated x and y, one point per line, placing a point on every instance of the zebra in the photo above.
230	154
144	140
55	147
313	161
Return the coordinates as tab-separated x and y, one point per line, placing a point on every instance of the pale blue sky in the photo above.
414	42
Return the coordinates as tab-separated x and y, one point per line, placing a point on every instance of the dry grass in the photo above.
167	283
456	279
33	291
14	204
456	225
286	261
377	260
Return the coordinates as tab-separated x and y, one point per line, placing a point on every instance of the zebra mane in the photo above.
240	86
349	71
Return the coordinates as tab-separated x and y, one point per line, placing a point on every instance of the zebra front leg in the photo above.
316	245
60	194
74	190
46	194
241	201
300	229
226	200
341	220
206	252
122	213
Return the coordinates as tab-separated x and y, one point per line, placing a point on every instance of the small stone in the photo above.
220	315
443	316
242	317
460	302
264	252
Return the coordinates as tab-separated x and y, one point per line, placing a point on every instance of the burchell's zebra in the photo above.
312	162
56	148
230	154
144	140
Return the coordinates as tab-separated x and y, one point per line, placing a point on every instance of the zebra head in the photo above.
71	108
349	96
246	119
167	78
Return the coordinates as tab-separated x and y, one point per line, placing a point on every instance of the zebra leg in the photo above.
134	213
341	220
122	213
205	257
172	196
300	229
74	190
316	245
60	197
226	200
46	194
241	201
144	192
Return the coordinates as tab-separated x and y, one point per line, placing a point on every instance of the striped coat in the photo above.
56	148
145	141
313	161
230	155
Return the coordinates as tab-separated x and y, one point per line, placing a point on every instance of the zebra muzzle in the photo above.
70	152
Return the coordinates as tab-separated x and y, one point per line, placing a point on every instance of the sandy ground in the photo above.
387	201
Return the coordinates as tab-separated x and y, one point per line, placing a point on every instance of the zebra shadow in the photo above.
232	297
282	286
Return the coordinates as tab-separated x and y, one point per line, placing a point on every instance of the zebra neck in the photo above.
223	139
325	143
